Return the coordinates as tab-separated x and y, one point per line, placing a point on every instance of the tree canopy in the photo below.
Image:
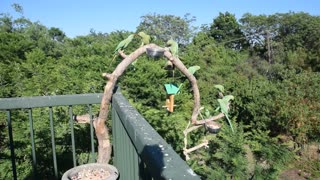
165	27
275	111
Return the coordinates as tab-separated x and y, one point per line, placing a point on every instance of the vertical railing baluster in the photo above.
72	137
91	134
33	152
53	143
13	160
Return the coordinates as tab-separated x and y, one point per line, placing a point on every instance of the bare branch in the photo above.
102	132
122	54
107	75
185	132
187	151
213	118
204	144
82	119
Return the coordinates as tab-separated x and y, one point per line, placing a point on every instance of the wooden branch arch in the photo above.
104	145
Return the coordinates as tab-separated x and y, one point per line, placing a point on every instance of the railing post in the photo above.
13	160
140	152
72	137
54	155
34	160
91	134
29	103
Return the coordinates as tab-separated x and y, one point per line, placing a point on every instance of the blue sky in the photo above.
77	17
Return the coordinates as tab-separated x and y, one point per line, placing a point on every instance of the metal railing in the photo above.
139	151
10	105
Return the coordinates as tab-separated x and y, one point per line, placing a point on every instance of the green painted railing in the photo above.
30	103
139	151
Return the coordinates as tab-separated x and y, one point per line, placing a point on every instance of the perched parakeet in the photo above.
219	87
193	69
224	107
145	38
124	43
173	47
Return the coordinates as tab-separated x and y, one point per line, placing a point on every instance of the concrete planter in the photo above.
95	171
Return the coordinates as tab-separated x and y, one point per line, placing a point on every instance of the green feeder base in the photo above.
171	88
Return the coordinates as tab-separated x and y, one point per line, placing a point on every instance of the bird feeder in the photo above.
213	127
171	90
155	52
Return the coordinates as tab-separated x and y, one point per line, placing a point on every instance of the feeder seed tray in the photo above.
155	52
213	127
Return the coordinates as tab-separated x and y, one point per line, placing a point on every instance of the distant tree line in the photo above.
269	63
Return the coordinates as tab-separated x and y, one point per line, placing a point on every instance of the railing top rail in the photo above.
156	153
49	101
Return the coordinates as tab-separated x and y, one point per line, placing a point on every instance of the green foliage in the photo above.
270	156
225	158
56	34
272	99
165	27
297	32
226	30
298	105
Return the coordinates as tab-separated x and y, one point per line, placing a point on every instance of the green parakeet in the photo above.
219	87
193	69
224	107
173	47
145	38
124	43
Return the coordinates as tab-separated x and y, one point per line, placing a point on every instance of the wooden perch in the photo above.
83	119
102	132
213	118
187	151
185	132
194	127
122	54
104	151
106	75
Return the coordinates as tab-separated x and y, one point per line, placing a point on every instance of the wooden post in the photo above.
171	100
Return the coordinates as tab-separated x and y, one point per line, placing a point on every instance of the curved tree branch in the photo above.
102	132
213	118
196	95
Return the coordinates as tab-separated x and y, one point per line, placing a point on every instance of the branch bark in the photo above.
196	95
213	118
102	132
187	151
83	119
